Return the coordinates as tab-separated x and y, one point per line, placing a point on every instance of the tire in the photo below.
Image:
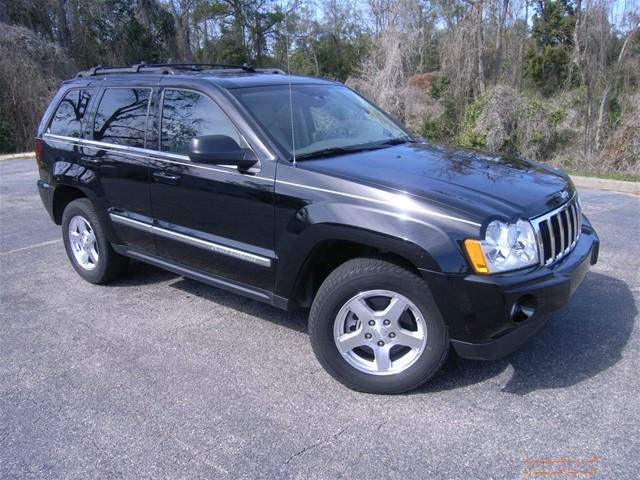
87	246
392	350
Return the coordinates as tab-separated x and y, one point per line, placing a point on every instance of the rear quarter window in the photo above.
67	119
121	117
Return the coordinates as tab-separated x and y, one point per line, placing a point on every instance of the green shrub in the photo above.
440	128
471	136
438	87
614	110
471	139
7	143
556	117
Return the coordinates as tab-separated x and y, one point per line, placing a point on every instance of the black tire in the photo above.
109	264
365	274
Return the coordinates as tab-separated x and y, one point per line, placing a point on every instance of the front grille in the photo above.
558	231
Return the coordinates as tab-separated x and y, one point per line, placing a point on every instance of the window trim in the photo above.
87	112
146	154
199	92
122	87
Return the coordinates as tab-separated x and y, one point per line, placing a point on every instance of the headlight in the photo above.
506	246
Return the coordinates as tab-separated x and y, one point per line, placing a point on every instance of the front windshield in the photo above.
326	118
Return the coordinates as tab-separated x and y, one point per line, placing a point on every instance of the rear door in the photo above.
211	218
62	136
116	151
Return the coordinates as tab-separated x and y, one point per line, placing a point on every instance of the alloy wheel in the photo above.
83	242
380	332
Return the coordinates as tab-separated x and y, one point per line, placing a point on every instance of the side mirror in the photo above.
221	150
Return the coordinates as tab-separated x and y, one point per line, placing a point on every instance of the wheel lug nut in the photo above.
387	322
372	323
392	335
381	343
367	336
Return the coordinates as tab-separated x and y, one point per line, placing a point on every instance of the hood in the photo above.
475	184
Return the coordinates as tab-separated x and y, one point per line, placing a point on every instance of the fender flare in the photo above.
424	246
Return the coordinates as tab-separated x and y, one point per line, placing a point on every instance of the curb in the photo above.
13	156
623	186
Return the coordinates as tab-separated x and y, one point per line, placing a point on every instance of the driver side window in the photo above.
187	114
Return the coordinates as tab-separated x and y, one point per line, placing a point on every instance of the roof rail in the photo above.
174	68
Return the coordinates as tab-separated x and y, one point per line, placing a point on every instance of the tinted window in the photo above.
188	114
122	116
67	120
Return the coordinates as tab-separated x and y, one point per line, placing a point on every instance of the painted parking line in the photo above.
23	249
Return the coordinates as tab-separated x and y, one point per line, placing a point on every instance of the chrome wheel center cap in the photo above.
380	332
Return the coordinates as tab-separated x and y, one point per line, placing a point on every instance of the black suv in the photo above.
300	193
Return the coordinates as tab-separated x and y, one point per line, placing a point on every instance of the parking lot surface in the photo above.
159	376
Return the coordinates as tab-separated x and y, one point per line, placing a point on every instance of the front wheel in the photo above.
375	327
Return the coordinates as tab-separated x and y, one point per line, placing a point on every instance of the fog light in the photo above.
524	308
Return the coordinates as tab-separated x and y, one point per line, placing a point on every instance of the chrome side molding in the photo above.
193	241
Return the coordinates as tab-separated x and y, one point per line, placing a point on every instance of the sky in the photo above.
619	9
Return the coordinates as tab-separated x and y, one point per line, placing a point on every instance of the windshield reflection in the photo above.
327	119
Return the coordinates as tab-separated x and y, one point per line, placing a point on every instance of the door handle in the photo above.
90	162
168	178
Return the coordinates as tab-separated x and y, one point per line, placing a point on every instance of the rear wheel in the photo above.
375	327
87	246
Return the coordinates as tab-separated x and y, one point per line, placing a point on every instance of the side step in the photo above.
246	291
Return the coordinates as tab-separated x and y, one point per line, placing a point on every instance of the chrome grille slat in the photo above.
568	232
569	214
558	231
560	218
553	237
572	222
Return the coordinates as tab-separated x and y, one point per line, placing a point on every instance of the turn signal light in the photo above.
476	256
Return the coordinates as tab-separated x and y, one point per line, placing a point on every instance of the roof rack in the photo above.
174	68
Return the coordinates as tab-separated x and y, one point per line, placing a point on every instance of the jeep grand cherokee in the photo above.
300	193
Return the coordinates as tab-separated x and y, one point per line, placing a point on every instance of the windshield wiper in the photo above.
327	152
395	141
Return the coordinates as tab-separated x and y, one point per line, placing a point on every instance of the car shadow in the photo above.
140	274
296	320
579	342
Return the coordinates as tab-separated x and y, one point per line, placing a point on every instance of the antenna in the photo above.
293	136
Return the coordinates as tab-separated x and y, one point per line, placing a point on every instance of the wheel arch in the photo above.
63	195
332	246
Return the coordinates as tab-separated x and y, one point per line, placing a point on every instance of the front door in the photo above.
210	218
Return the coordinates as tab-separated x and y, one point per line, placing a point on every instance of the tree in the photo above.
548	56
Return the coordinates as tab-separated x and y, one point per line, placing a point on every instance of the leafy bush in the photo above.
440	127
470	136
7	136
502	120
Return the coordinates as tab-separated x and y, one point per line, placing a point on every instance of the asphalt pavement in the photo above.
157	376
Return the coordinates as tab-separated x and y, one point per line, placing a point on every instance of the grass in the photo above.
609	176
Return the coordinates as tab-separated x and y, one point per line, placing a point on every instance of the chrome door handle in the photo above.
168	178
89	162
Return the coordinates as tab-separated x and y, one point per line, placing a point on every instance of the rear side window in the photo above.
67	120
187	114
121	117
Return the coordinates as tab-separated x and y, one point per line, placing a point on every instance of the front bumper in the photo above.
480	310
